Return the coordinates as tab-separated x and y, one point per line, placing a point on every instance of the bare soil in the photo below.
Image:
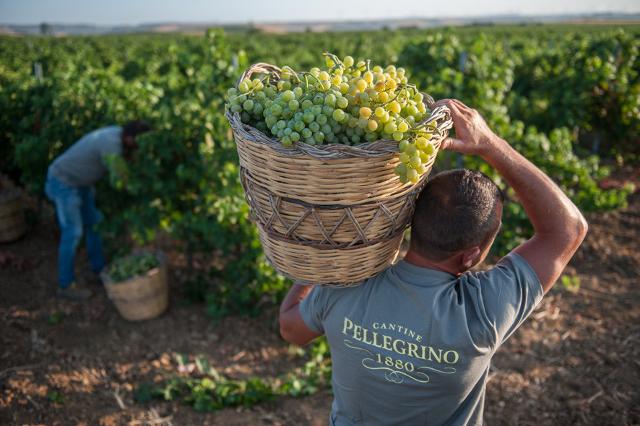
576	361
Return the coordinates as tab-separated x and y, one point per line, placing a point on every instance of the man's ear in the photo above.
470	257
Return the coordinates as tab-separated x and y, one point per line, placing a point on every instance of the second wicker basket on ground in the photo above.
12	221
141	297
328	214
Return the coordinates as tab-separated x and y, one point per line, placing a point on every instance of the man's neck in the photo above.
444	266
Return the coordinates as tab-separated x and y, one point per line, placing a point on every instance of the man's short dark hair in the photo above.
135	127
456	210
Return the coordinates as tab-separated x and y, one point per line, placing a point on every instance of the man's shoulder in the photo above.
105	139
509	269
504	295
112	128
348	293
102	133
109	132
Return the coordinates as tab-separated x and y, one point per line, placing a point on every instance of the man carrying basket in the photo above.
413	344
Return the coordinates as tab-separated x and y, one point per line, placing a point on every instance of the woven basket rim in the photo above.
441	115
377	148
106	278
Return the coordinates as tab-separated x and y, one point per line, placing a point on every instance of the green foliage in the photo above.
118	171
132	266
208	390
183	179
144	392
55	397
55	318
570	283
246	284
182	182
485	72
595	89
209	394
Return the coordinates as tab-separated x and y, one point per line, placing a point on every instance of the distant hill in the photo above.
284	27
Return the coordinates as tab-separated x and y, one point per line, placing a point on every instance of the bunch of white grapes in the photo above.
346	102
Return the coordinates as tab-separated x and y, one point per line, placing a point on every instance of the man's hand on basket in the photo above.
474	137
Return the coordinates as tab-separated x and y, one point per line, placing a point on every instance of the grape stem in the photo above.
395	97
293	72
335	59
252	90
310	75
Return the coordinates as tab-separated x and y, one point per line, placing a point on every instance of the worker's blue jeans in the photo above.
77	215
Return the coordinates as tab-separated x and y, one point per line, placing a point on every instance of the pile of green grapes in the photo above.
346	102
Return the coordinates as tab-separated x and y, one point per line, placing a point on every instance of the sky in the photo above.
131	12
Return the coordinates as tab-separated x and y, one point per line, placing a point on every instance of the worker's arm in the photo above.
559	227
292	327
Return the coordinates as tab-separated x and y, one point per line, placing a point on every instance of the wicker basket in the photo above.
330	214
12	222
142	297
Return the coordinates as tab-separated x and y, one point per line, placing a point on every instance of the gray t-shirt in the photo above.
83	164
412	346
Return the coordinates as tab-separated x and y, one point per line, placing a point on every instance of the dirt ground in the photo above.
575	361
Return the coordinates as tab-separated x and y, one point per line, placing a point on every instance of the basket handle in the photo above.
441	115
259	67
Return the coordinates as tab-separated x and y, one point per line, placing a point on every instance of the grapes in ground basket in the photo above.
345	102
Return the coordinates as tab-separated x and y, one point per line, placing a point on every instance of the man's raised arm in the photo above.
558	224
